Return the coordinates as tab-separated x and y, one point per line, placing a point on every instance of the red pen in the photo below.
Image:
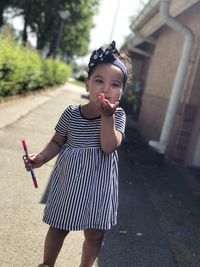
31	169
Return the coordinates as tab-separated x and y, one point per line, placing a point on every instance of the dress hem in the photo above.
82	227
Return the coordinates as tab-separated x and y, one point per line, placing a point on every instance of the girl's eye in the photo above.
98	81
116	85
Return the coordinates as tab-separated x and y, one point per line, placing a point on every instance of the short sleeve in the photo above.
63	123
120	120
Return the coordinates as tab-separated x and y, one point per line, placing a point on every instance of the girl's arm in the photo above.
50	151
53	147
110	137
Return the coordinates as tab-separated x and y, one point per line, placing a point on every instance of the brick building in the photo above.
156	49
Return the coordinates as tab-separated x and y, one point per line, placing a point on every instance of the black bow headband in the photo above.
110	55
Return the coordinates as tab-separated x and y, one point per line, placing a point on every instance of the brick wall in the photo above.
161	74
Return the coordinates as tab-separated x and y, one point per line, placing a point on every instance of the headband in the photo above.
110	55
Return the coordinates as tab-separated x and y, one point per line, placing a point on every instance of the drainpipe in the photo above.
161	145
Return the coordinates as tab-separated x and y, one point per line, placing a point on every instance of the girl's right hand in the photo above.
105	107
36	161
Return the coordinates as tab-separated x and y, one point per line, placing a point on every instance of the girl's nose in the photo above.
106	88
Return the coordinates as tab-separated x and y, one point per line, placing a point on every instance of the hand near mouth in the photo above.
105	107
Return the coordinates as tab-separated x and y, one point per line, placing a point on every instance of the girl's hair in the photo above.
126	59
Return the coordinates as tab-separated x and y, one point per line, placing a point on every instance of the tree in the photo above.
23	8
3	5
42	16
77	32
76	29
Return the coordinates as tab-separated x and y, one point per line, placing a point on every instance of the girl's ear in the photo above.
87	84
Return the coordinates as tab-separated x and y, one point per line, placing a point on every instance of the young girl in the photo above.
84	190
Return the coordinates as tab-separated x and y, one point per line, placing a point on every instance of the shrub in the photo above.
22	70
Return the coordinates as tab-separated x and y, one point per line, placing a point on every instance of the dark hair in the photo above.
126	59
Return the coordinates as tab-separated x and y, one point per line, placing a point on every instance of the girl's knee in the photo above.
57	232
94	236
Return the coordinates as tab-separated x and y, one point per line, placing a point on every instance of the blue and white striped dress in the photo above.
84	190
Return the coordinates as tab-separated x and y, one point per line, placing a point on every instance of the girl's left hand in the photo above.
105	107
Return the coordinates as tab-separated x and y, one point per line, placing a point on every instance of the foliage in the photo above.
79	27
22	70
42	16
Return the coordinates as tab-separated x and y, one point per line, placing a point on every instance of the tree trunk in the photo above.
25	35
39	42
52	47
27	15
3	4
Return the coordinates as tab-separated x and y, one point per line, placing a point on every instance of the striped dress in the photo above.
84	189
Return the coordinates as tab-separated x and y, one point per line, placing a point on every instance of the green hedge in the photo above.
22	70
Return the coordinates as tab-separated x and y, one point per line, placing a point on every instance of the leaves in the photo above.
22	70
42	16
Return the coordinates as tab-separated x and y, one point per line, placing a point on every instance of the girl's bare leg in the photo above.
91	246
53	243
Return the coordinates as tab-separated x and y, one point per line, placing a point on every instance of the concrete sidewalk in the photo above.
159	215
18	107
22	232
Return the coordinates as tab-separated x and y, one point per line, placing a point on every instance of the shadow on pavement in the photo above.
46	193
159	215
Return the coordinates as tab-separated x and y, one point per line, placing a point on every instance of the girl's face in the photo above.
107	79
